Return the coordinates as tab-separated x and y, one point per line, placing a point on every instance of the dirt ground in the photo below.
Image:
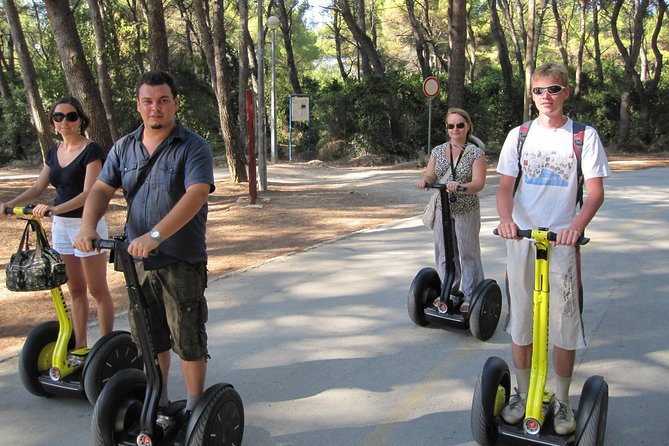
292	218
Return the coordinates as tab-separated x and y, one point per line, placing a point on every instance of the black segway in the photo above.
126	411
49	366
486	301
493	388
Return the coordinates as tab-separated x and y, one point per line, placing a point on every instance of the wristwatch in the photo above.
155	234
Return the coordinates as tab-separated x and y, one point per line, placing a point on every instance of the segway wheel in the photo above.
425	288
491	394
113	352
592	412
36	356
118	408
484	313
218	418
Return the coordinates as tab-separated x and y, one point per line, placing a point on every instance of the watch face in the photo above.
155	235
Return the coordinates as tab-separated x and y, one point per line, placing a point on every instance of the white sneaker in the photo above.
514	412
563	421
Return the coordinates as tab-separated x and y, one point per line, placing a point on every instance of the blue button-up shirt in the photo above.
185	159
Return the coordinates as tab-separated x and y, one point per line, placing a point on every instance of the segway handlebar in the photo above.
23	210
551	236
110	244
116	245
442	186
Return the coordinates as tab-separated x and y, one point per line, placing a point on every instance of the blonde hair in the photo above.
465	116
552	70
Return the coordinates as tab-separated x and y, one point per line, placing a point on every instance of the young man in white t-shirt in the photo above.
546	196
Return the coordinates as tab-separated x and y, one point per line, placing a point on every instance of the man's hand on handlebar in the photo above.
84	240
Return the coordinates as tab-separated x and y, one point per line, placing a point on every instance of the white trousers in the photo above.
468	265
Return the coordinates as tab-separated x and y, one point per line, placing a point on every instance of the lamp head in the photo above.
273	22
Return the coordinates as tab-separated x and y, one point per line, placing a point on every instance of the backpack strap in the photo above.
522	135
578	130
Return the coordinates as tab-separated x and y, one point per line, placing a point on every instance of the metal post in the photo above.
262	163
273	23
429	124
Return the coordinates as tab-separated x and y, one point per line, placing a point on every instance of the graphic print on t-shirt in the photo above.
547	169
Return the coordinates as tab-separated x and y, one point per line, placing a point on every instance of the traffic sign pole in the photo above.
431	89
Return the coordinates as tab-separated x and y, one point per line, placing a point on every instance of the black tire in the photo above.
113	352
118	408
218	419
491	394
486	309
425	288
592	412
36	356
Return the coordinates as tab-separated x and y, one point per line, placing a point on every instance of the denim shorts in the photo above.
175	298
63	231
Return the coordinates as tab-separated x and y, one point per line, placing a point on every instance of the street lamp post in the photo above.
273	24
260	140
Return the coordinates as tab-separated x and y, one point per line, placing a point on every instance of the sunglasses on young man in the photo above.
71	116
460	125
552	90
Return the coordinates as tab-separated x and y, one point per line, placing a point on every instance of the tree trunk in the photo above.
102	67
502	50
244	45
362	23
630	57
234	151
457	28
647	83
420	43
581	47
285	18
529	60
595	39
80	80
506	13
336	30
364	42
29	76
17	149
471	48
558	34
158	52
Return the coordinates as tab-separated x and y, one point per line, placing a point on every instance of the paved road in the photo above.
321	349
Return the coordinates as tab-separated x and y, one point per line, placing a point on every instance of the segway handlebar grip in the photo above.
23	210
110	244
443	186
551	236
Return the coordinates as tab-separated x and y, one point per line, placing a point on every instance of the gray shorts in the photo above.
565	322
175	297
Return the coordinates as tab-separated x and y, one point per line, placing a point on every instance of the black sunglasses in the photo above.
71	116
460	125
553	89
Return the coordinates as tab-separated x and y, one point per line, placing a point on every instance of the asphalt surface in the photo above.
321	349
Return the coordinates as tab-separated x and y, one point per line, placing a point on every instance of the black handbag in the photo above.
35	269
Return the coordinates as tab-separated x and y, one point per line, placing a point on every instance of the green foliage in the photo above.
358	111
493	115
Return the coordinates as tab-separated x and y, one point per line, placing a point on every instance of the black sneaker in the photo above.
180	439
171	417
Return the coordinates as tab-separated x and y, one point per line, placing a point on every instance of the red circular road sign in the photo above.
431	86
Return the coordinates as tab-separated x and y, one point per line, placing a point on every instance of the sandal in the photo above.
464	307
436	302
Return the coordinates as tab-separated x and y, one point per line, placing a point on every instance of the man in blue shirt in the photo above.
168	209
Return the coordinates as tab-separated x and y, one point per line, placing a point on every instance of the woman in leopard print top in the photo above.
459	163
